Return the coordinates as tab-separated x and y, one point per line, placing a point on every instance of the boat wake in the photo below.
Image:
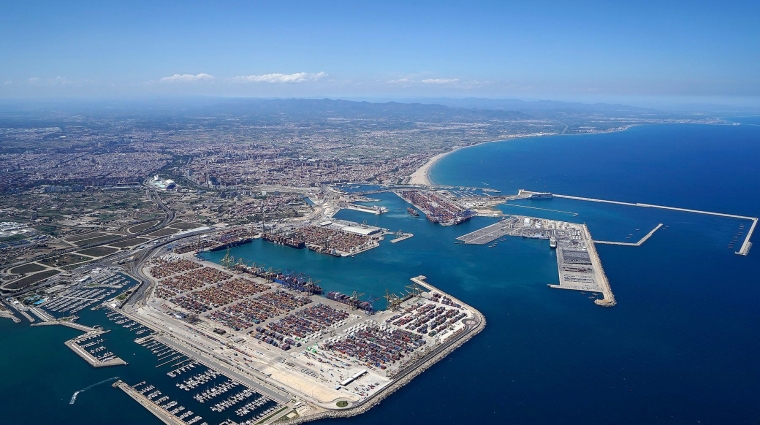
76	393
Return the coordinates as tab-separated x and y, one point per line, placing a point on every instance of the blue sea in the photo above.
681	346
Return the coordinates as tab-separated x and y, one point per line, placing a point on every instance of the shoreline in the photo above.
421	176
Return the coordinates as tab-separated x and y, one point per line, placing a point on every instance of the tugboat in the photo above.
412	212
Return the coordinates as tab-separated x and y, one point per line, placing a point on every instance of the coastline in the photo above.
421	176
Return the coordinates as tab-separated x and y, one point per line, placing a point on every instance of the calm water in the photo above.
680	347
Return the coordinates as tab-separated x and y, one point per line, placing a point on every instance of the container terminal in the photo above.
321	356
577	260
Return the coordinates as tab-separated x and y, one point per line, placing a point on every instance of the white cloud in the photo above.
8	83
186	78
37	81
440	81
400	81
298	77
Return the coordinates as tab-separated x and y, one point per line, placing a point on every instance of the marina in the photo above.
90	348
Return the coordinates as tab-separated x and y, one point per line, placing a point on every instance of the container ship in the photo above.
412	212
348	300
230	244
284	240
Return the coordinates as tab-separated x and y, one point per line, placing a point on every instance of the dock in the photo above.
157	410
73	344
488	234
639	243
744	250
578	263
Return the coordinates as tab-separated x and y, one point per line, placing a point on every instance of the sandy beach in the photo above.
422	175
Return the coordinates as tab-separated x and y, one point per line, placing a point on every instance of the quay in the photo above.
73	325
73	344
578	263
639	243
158	411
744	250
487	234
281	373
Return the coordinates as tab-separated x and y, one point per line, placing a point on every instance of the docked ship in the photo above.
412	212
230	244
552	242
283	240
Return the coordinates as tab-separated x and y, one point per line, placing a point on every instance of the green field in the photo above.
65	260
163	232
77	238
98	251
21	283
27	268
100	239
182	225
141	227
129	242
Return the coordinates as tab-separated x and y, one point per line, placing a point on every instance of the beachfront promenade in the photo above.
744	250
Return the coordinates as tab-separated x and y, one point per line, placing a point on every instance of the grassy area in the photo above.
27	268
98	251
342	403
101	239
77	238
182	225
65	260
21	283
12	238
141	227
129	242
162	232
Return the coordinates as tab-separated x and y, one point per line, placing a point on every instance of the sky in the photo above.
496	49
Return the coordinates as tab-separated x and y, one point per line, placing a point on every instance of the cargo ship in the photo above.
295	281
349	300
284	240
412	212
230	244
322	250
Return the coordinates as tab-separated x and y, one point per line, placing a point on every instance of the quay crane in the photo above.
393	302
371	300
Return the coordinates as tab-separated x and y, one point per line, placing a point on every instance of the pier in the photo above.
639	243
94	361
744	250
158	411
578	263
487	234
